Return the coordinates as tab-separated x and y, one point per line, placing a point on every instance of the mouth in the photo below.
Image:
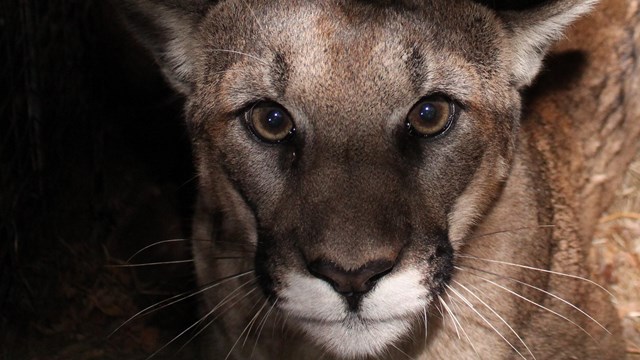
386	315
353	318
355	337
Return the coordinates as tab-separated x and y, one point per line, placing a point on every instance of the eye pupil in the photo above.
429	112
274	119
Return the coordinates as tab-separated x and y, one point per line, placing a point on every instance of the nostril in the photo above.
350	282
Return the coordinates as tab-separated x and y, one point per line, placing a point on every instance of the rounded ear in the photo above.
532	31
167	29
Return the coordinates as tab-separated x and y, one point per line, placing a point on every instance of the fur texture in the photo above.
355	237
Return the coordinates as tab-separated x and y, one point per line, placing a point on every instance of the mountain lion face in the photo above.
349	146
357	151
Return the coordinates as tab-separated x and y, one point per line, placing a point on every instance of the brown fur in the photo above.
353	187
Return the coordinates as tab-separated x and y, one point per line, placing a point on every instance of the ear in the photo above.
167	28
533	31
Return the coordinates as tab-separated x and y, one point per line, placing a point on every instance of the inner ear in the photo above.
533	26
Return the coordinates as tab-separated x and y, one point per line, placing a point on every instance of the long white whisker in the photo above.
178	298
439	308
156	244
261	326
151	264
231	296
541	270
191	326
402	352
446	307
510	231
204	327
495	313
246	328
454	303
253	322
173	262
470	305
533	303
544	292
426	328
170	241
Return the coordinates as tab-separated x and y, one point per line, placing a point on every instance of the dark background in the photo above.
94	165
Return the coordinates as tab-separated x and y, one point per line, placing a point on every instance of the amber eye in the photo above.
270	122
431	116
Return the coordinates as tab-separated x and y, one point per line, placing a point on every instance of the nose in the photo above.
352	284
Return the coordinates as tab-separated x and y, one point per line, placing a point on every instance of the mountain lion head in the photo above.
345	150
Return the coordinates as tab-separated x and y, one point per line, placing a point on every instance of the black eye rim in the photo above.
248	114
454	108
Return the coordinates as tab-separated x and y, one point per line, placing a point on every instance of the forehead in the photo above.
348	49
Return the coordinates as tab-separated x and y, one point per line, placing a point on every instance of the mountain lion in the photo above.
368	188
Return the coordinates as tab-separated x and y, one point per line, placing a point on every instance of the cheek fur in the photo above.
395	296
310	298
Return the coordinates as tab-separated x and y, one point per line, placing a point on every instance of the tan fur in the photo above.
354	188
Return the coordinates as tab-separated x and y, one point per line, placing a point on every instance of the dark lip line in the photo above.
358	317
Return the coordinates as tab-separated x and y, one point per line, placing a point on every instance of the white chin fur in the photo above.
385	315
355	338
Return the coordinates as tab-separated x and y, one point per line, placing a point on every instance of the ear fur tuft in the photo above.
167	29
533	31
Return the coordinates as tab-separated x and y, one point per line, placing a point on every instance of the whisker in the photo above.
439	308
150	264
186	182
262	32
173	262
254	57
446	307
532	302
495	313
426	328
540	270
234	294
261	326
402	352
189	328
543	291
221	313
510	231
156	244
454	303
178	298
246	328
253	322
182	240
470	305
